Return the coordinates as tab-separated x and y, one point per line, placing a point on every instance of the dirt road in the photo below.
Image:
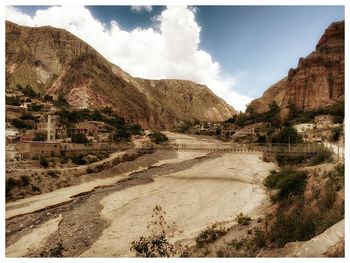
102	217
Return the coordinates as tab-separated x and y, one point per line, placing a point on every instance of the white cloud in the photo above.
141	8
170	52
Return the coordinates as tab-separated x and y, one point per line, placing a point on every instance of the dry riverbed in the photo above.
101	218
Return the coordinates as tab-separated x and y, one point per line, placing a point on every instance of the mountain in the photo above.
317	81
53	61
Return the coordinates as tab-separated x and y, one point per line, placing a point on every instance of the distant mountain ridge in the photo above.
317	81
54	61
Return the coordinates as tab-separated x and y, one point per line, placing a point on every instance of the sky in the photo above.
237	51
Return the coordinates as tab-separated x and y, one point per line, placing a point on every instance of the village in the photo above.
37	127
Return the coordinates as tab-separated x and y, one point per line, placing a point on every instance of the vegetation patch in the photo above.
157	244
243	219
158	137
323	155
287	182
210	234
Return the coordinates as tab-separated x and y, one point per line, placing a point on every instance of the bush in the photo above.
22	124
36	189
287	135
13	101
61	102
323	155
288	182
79	160
35	107
259	239
29	92
158	137
286	159
55	252
242	219
271	180
157	244
25	180
53	173
40	137
335	134
44	162
210	234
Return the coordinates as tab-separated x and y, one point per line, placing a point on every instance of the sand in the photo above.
34	240
216	190
194	196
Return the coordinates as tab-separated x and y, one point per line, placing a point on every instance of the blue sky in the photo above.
254	45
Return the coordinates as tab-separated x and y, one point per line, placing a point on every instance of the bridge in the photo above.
275	149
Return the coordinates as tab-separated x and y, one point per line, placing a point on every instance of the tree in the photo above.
293	110
40	137
250	111
61	101
79	138
287	135
241	119
273	115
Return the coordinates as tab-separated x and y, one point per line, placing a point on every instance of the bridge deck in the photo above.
276	149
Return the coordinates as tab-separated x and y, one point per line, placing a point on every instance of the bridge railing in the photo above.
233	147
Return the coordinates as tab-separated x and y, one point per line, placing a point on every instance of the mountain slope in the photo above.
54	61
318	79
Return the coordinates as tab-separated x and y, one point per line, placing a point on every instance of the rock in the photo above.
54	61
318	80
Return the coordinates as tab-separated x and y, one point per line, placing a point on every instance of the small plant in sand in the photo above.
157	244
242	219
210	234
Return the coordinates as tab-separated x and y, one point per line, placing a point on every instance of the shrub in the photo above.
288	182
55	252
25	180
53	173
293	183
328	196
13	101
210	234
36	189
35	107
40	137
259	238
158	137
156	245
21	124
44	162
29	92
335	134
272	179
79	160
61	102
286	159
287	135
292	226
323	155
242	219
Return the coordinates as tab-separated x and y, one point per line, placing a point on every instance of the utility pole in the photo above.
289	143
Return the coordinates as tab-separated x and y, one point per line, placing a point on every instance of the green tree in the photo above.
40	137
287	135
241	119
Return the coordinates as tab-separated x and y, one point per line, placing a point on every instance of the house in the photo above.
14	112
323	120
33	149
303	127
94	128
